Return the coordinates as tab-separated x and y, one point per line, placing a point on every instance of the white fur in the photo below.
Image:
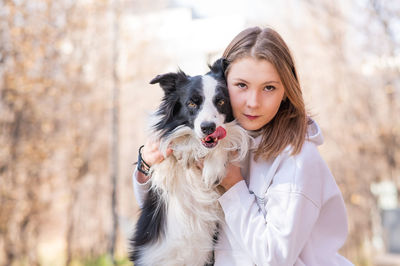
190	195
208	111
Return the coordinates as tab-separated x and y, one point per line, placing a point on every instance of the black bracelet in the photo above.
142	166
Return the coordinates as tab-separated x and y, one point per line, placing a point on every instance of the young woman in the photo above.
283	207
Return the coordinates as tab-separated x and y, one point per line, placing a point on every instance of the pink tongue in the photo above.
219	133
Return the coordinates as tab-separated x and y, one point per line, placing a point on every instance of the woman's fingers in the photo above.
233	176
151	153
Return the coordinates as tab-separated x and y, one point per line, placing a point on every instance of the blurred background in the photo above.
75	100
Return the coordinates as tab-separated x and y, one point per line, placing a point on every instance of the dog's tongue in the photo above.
219	133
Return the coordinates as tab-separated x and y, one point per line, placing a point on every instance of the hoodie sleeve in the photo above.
140	189
278	237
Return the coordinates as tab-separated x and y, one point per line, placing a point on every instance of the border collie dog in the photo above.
179	219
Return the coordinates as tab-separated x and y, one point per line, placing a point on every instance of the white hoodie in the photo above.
288	211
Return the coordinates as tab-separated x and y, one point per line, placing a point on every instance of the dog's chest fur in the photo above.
192	214
189	198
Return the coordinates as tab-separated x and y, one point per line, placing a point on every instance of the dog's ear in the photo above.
170	81
219	66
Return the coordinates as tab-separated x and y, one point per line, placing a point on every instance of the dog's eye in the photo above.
221	102
191	104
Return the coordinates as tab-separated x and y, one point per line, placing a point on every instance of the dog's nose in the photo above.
207	127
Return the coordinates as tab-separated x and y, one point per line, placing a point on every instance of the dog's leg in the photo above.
215	240
214	168
149	227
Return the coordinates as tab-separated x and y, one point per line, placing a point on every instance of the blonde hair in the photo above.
289	126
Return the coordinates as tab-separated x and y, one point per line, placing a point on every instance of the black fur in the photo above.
149	227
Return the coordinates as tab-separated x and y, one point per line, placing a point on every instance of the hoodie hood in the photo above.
314	133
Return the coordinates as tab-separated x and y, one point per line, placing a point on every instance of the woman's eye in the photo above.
191	104
269	88
241	85
221	102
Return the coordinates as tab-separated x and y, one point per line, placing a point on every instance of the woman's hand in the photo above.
151	155
233	176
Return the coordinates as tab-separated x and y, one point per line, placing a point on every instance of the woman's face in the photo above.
255	91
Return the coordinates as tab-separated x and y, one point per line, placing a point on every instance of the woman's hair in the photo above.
289	126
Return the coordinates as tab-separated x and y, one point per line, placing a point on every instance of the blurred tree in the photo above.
25	128
58	65
361	99
115	126
49	125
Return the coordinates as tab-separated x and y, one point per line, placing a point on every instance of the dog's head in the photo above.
199	102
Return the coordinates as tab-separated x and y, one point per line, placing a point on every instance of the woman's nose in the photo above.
253	99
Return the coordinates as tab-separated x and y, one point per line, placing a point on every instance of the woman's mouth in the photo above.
251	117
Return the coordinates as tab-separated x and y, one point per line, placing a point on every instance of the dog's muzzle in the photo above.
211	140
